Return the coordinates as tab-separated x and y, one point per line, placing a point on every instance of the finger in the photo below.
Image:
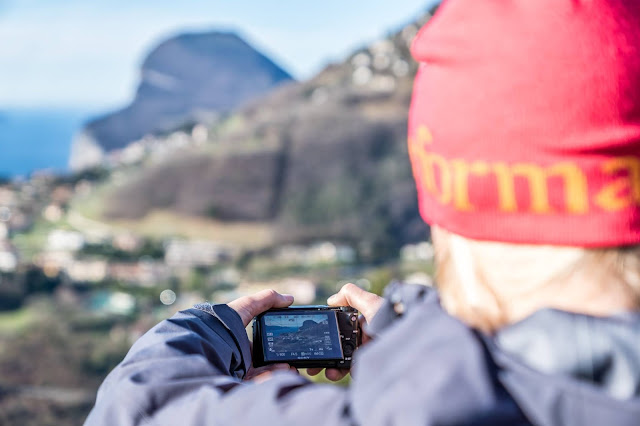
260	378
313	371
250	306
334	374
275	367
267	299
257	371
364	336
352	295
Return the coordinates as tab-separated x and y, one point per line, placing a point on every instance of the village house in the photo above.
187	254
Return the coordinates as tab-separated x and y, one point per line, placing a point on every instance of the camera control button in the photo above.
348	349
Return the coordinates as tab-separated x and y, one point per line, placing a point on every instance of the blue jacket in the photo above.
424	368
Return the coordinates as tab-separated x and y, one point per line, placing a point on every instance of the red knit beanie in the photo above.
525	121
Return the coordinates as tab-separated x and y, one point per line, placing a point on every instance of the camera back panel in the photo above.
306	336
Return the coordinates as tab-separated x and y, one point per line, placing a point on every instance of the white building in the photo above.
328	252
61	240
4	231
322	252
421	252
87	270
8	259
185	253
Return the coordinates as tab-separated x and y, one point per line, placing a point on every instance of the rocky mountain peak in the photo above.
183	77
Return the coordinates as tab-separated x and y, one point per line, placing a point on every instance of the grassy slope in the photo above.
163	224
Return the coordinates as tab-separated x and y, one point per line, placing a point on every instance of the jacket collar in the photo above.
601	351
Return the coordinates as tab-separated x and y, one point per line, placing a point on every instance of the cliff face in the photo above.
182	78
326	158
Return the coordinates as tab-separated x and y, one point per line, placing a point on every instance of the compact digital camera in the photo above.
306	336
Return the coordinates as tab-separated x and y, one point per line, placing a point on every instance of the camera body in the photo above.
306	336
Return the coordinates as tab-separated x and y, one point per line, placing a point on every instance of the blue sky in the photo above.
86	53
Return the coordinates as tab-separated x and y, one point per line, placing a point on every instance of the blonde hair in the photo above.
491	284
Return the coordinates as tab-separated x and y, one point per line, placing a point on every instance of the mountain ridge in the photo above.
321	159
191	76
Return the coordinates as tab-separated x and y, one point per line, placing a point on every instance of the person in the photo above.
524	139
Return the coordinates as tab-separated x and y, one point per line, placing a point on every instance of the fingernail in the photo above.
288	296
332	299
281	366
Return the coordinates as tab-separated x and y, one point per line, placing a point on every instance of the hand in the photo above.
352	295
260	374
250	306
365	302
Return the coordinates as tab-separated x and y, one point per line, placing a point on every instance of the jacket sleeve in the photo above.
189	369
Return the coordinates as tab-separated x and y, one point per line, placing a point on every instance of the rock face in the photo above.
325	158
182	78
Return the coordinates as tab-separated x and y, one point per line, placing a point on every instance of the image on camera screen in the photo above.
301	336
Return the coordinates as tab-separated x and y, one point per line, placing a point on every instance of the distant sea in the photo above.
32	140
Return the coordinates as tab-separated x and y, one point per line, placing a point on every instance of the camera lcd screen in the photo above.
300	336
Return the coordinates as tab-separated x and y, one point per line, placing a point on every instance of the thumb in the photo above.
352	295
250	306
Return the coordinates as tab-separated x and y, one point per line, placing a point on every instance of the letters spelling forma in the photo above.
448	181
